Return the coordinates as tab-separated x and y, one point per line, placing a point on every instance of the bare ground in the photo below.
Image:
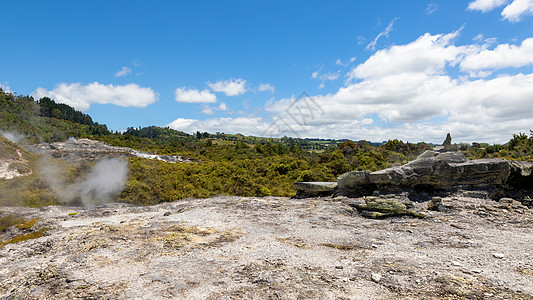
271	248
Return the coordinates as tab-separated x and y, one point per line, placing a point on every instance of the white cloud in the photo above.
347	63
479	37
512	12
518	8
482	110
222	106
207	110
231	87
263	87
503	56
194	96
486	5
385	33
431	8
323	77
407	88
82	96
402	92
246	125
5	87
123	72
428	54
210	110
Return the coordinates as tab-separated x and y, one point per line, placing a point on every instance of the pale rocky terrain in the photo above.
8	166
272	248
76	150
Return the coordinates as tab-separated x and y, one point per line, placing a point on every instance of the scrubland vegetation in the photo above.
223	164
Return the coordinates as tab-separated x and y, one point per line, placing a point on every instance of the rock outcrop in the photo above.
433	171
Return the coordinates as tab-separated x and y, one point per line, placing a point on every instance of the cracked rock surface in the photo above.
229	247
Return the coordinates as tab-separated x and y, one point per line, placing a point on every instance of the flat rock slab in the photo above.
315	188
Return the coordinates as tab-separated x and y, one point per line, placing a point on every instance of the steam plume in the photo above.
105	180
12	136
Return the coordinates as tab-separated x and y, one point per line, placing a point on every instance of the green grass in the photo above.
24	237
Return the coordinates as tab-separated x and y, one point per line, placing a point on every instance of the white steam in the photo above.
105	180
12	136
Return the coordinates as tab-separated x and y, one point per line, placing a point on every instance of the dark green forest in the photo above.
224	164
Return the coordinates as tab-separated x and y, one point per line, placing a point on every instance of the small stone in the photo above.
339	267
166	214
498	255
456	263
477	271
376	277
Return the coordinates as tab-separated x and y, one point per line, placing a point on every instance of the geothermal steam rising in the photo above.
12	136
105	180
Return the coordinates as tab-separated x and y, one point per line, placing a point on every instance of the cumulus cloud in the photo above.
428	54
185	95
406	88
231	87
472	110
123	72
517	9
82	96
222	106
385	33
406	92
512	12
265	87
250	125
503	56
210	110
486	5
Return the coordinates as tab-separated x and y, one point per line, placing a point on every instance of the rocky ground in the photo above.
76	150
271	248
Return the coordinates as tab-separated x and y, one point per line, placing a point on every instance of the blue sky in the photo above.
374	70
